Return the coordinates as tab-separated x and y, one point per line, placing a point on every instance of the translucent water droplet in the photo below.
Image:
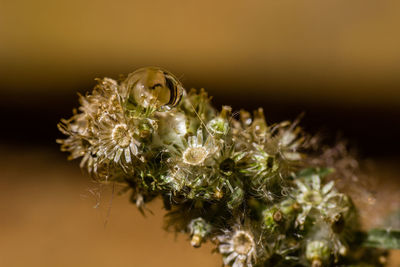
153	87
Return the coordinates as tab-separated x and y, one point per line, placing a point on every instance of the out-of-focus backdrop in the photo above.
338	61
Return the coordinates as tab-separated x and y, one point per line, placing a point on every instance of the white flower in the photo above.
116	141
237	247
104	98
311	195
79	141
197	151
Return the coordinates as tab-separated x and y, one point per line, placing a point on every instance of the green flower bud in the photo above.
318	251
198	229
236	198
272	217
220	125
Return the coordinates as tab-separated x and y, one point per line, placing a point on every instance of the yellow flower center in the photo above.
242	243
120	134
194	155
313	197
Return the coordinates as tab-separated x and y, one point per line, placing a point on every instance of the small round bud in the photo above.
220	124
196	241
272	218
199	229
277	216
218	194
259	124
382	259
317	250
236	198
245	117
145	129
316	263
296	206
343	250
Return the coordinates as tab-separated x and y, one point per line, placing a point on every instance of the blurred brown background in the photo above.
339	61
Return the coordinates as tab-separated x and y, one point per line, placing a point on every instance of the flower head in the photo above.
78	142
197	150
238	248
116	141
324	199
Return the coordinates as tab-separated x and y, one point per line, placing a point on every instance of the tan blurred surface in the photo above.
48	219
332	54
343	51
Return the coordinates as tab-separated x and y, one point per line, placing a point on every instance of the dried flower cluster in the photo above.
249	187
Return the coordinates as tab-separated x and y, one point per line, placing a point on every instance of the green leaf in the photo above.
382	238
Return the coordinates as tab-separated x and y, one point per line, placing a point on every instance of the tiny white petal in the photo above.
133	148
292	156
225	248
301	218
229	258
192	141
303	188
237	263
118	155
199	137
84	160
127	155
330	195
287	138
316	182
328	187
221	238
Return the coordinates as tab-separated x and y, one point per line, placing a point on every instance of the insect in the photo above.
153	87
